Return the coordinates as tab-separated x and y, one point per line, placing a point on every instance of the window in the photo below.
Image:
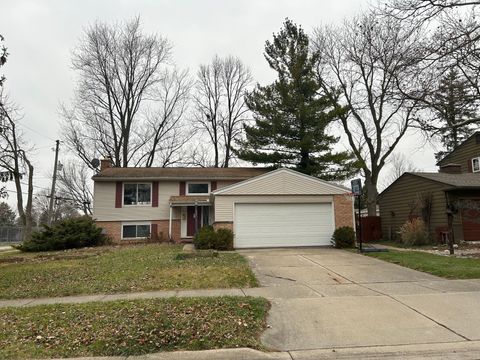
476	164
137	194
135	231
198	188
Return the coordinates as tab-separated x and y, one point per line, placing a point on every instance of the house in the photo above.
454	188
263	207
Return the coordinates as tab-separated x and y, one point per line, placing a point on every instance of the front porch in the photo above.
193	211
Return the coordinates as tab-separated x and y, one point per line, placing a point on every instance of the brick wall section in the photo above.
114	230
343	210
223	225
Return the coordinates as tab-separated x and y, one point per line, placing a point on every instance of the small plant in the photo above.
208	238
343	237
414	232
67	234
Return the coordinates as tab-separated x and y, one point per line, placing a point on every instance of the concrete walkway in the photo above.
328	298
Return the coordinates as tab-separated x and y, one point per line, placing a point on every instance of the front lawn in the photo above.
107	270
444	266
131	327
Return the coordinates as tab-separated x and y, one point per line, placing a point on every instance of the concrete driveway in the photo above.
327	298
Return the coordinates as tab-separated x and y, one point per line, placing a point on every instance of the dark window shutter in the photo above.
182	188
469	165
155	194
118	194
213	185
154	232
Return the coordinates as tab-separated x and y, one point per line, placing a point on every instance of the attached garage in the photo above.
264	225
282	208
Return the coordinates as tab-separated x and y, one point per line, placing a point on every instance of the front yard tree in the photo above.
15	161
367	58
292	115
128	101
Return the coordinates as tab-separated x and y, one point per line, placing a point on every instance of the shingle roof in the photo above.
456	180
179	173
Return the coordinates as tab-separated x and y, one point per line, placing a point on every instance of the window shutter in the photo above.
469	165
118	194
155	194
182	188
154	232
213	185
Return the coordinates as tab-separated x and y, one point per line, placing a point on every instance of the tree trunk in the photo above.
372	195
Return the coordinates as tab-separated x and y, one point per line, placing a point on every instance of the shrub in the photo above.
414	232
343	237
224	239
204	238
67	234
208	238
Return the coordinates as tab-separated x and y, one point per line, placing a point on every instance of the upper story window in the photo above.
137	194
198	188
476	164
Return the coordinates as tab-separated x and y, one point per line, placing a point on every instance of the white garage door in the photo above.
278	225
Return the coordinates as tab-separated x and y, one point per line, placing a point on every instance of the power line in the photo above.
35	131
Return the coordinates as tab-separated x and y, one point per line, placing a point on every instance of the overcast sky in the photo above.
40	36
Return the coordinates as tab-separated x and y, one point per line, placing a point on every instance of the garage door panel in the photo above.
275	225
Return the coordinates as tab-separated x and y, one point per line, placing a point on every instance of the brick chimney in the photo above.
451	169
105	163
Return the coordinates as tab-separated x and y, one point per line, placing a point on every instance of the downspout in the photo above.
170	223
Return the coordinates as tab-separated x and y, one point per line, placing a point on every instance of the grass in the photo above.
131	327
443	266
108	270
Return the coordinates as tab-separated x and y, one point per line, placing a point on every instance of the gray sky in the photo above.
41	34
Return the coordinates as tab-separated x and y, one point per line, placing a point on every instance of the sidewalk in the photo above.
445	351
126	296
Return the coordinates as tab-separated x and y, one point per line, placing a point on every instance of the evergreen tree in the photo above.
292	115
454	107
7	215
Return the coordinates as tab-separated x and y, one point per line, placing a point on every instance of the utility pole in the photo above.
54	180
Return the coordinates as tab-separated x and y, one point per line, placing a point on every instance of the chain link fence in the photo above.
12	234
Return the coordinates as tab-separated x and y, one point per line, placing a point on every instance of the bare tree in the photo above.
220	109
14	159
123	82
64	207
362	64
75	185
424	10
400	165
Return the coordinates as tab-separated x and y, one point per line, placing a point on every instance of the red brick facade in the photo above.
343	210
223	225
114	230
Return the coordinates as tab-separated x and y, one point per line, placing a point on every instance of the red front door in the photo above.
191	221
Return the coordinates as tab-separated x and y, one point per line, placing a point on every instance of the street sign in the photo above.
356	187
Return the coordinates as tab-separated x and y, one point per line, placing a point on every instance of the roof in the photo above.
189	200
178	173
287	182
464	181
458	147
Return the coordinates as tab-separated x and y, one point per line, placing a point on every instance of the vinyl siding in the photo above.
400	197
285	183
224	203
104	204
463	154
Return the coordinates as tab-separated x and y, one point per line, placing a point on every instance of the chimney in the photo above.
105	164
451	169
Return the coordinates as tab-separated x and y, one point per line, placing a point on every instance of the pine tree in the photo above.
454	106
7	215
291	115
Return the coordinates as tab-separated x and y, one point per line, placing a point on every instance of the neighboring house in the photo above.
263	208
428	195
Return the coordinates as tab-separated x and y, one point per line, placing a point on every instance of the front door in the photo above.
191	228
